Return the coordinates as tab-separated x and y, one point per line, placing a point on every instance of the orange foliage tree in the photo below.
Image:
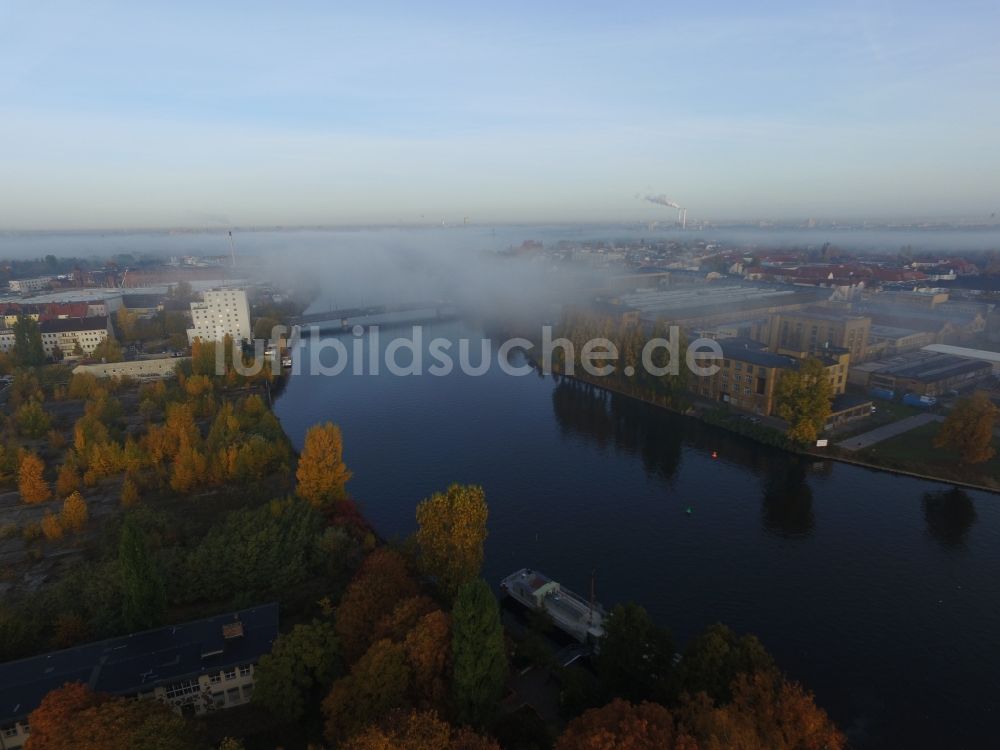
75	716
51	527
68	479
418	730
74	513
31	479
766	711
380	583
379	682
403	617
625	726
428	651
130	492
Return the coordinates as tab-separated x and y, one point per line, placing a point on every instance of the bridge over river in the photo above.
346	317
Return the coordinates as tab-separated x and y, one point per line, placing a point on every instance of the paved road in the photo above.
868	439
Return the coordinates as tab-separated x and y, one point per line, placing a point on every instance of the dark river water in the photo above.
880	593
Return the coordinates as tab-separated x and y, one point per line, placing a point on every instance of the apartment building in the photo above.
64	334
222	312
195	667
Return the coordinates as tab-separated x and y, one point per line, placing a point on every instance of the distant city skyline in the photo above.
121	115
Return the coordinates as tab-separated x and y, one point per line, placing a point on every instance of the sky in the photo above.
124	115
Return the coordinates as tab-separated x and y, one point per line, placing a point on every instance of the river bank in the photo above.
741	424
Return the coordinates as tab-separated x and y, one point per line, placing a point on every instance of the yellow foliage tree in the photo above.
322	474
68	480
74	513
968	429
190	468
51	526
31	479
450	534
130	493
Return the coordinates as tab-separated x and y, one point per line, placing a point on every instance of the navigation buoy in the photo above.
689	511
715	454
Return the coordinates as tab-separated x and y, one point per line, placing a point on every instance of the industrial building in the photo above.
24	286
222	312
925	373
815	329
749	374
140	369
888	341
707	305
194	667
981	355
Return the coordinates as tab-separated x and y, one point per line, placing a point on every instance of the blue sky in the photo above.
130	114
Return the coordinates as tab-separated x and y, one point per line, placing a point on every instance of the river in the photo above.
878	592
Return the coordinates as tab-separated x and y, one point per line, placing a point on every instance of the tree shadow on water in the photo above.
787	509
949	515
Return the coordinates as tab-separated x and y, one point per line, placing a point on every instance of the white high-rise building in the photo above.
223	312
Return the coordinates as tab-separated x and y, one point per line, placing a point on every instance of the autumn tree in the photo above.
766	711
403	617
428	651
189	470
803	397
382	581
322	474
108	350
74	513
478	653
417	730
378	683
31	420
636	655
302	663
129	492
51	527
450	534
143	589
968	429
714	658
68	479
625	726
75	716
31	479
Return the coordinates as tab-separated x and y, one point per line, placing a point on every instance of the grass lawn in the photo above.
915	451
885	412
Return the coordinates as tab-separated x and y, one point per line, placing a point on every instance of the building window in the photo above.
10	731
233	695
184	687
230	674
244	670
215	679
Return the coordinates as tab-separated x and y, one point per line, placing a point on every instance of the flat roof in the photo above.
747	350
892	332
63	325
961	351
139	662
